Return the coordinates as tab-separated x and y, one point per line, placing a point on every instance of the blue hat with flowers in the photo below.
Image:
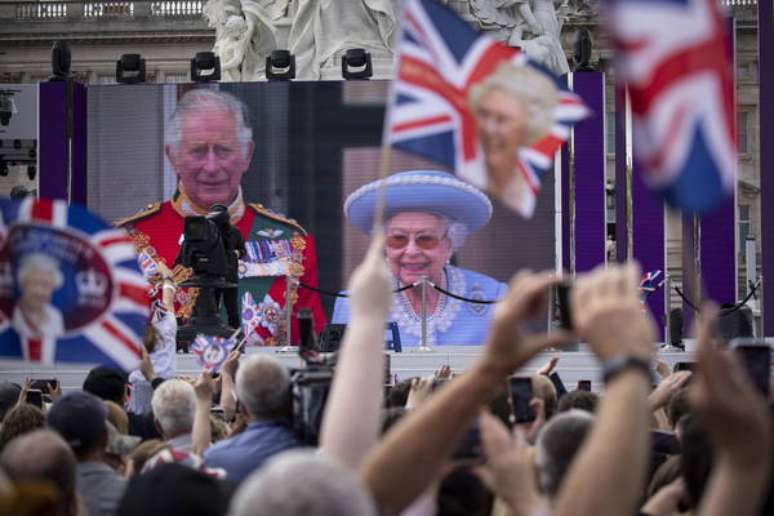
427	191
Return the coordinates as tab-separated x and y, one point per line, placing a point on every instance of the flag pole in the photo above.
386	150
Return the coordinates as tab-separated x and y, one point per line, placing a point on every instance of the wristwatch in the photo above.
612	367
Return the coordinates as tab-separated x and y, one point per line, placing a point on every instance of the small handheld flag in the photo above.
211	352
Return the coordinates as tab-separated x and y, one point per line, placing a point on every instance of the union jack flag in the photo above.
441	58
97	308
674	57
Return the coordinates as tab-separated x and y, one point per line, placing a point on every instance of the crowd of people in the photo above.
663	444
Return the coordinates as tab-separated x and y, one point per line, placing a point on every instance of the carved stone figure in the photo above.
244	35
533	24
321	28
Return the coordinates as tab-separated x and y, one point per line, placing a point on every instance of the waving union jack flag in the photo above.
674	57
441	59
70	287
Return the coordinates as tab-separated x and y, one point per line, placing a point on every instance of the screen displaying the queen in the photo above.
297	167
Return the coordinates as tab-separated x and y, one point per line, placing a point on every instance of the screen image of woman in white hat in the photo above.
428	215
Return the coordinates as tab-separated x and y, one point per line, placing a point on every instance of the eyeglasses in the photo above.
424	242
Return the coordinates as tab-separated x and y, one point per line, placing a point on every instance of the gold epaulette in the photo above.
266	212
145	212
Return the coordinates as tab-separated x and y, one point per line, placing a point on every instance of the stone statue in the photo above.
244	35
321	28
533	24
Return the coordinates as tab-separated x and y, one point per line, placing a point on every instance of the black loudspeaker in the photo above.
676	327
738	323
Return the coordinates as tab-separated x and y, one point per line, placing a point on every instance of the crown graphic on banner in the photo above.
91	283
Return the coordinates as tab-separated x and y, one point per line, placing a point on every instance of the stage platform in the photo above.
573	365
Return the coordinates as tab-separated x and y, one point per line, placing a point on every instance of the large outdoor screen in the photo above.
314	144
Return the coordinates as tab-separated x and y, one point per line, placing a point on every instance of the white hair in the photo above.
557	445
174	403
262	385
203	101
535	89
302	483
456	231
39	262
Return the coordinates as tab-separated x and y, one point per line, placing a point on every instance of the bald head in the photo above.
42	455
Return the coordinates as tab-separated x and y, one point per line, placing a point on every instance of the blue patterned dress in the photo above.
454	322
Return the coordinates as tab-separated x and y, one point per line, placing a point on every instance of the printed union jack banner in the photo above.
477	106
71	289
211	352
674	57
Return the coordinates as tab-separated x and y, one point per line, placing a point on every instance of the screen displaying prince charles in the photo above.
208	141
428	215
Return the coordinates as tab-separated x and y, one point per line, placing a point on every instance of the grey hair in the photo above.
557	445
302	483
174	403
40	262
456	231
536	90
201	101
262	385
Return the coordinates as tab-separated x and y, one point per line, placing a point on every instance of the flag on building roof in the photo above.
477	106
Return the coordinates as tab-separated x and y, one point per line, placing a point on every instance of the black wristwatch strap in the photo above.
612	367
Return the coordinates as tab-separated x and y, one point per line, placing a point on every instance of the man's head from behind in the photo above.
581	400
43	455
263	387
557	445
107	384
172	490
174	403
9	395
79	417
302	483
209	143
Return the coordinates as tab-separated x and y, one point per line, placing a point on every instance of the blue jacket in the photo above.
246	452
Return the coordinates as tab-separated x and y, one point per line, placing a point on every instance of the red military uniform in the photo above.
275	245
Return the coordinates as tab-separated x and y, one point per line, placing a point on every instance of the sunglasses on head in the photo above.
424	242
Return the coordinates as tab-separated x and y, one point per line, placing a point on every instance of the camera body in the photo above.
202	249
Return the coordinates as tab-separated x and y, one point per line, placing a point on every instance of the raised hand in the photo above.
421	389
734	413
508	346
204	386
370	288
667	388
231	363
548	368
508	471
607	312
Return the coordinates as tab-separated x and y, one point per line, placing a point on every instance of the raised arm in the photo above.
202	432
739	425
609	472
353	413
403	464
227	385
